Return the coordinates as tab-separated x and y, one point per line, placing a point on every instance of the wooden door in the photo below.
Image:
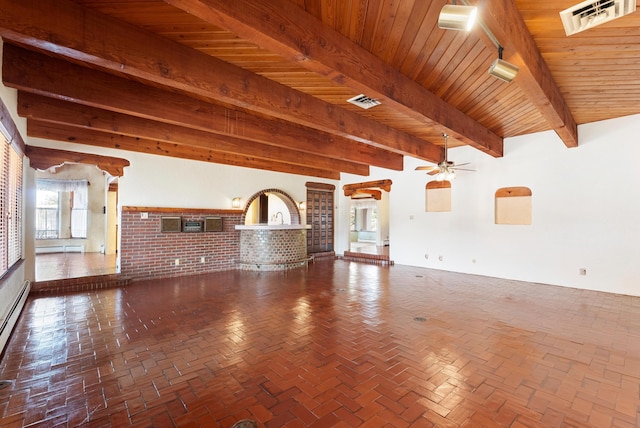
320	217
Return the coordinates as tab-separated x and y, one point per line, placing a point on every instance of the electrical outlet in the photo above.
583	271
144	216
177	262
441	258
201	259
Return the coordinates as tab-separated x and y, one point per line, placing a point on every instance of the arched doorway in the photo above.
271	206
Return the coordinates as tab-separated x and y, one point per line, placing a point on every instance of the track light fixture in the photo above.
457	17
502	69
462	17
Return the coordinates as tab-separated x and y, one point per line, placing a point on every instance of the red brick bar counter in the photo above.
272	247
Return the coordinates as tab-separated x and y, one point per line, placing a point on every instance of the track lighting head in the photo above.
502	69
457	17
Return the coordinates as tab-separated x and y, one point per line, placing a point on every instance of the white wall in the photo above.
160	181
586	211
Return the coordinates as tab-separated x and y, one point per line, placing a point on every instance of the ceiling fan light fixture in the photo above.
502	69
445	176
457	17
445	173
445	170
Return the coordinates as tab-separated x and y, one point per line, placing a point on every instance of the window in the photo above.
79	212
10	205
61	209
47	214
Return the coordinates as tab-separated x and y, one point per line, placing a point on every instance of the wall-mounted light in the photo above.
502	69
302	205
457	17
235	202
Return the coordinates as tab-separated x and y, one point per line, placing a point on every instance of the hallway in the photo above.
337	344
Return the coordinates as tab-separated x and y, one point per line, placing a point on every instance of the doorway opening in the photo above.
76	224
369	219
271	206
363	228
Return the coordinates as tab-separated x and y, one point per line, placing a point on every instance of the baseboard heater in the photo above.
60	249
12	315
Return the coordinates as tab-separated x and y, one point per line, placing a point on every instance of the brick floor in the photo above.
336	344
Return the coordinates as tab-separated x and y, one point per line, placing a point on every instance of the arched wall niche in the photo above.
513	205
287	200
437	196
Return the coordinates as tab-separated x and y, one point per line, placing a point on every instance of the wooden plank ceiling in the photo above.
264	84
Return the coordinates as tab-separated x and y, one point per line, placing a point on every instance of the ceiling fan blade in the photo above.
427	168
462	169
434	172
461	164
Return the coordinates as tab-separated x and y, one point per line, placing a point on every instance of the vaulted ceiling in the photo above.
264	84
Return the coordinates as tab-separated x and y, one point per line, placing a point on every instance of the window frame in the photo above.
11	194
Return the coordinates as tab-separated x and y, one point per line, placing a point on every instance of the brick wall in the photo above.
273	249
146	252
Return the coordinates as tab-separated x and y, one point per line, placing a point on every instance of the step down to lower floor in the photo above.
86	283
378	259
324	255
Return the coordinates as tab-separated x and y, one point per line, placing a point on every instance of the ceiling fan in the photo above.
445	170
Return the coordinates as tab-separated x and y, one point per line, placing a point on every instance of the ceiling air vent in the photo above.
364	101
594	12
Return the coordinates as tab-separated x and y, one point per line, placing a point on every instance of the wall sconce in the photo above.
457	17
235	202
502	69
302	205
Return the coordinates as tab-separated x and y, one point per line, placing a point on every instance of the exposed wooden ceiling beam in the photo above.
62	112
534	77
39	73
100	139
367	194
286	29
385	185
44	158
80	34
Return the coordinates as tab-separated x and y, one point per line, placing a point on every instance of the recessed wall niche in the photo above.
437	196
513	205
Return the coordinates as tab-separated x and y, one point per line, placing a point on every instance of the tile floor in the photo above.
73	265
338	344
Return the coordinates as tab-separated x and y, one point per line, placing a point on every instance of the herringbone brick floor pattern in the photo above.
338	344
